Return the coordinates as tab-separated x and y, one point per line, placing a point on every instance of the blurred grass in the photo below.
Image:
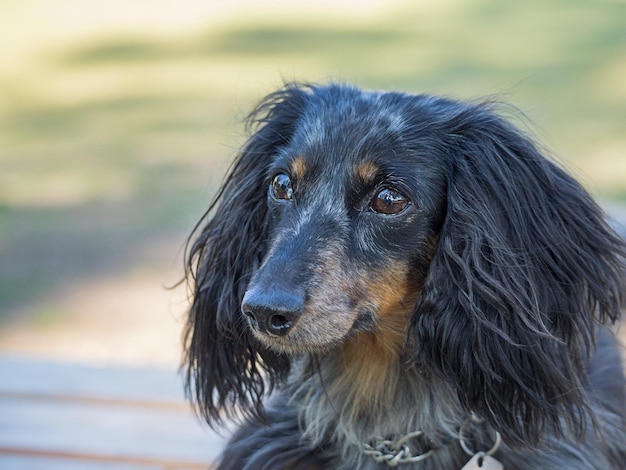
117	120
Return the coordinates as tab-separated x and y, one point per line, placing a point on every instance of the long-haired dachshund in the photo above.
409	282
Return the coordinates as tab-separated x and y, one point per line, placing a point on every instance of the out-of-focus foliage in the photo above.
118	118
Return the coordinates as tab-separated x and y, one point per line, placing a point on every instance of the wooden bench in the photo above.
61	416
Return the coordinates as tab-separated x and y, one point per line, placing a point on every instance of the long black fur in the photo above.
513	273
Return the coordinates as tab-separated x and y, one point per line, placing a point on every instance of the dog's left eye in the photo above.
388	201
281	187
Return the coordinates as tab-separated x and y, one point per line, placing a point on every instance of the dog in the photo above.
387	279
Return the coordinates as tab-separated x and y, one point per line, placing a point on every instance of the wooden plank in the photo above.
12	457
60	378
71	416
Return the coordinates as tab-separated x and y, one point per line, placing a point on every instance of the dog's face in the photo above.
417	222
354	210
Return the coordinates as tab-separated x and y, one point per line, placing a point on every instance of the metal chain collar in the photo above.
396	452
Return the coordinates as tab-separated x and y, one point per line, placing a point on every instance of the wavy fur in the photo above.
483	293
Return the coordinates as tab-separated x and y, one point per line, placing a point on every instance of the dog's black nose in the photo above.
272	312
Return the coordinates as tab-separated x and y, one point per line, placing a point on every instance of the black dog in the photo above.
413	283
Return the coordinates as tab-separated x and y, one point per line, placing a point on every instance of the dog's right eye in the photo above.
388	201
281	187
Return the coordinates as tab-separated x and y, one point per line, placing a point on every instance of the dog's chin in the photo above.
297	343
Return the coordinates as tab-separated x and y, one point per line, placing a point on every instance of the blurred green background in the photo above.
118	119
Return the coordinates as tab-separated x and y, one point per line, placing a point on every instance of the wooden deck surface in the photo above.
61	416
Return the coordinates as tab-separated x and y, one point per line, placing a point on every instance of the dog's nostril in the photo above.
279	322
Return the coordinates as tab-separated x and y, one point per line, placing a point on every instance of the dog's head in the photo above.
352	210
420	221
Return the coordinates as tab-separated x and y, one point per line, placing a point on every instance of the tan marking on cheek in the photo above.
391	294
298	167
394	292
366	172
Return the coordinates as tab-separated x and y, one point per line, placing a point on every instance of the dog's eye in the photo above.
389	201
281	187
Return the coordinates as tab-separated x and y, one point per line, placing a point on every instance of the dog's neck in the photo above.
364	390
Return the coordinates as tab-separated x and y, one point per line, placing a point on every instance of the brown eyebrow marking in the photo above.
366	172
298	167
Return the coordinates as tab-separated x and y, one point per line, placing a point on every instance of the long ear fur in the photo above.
225	372
524	269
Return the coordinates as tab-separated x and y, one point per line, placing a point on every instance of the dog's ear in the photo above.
524	269
225	373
